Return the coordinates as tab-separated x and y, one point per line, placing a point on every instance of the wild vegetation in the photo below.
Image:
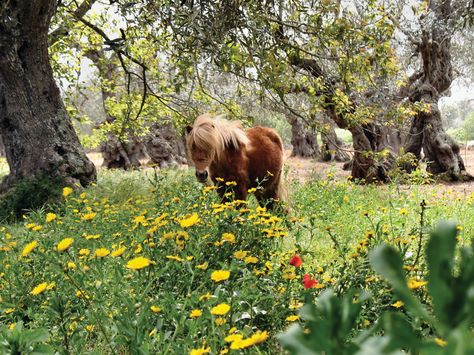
149	261
152	262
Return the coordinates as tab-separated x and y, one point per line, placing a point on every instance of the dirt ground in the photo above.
305	169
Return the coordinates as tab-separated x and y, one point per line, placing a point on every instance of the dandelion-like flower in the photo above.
195	313
220	275
155	309
65	244
118	252
50	217
257	338
39	288
102	252
189	221
88	216
29	248
221	309
67	191
138	263
292	318
200	351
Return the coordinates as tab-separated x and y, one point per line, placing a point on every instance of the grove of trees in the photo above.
375	68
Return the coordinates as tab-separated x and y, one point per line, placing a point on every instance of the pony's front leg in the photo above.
241	192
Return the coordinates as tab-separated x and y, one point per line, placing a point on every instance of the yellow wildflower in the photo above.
101	252
414	284
228	237
205	297
221	309
240	254
292	318
440	342
50	217
200	351
138	263
398	304
9	310
220	275
189	221
251	260
88	216
29	248
220	321
195	313
84	252
155	309
64	244
257	338
118	252
67	191
39	288
174	257
91	236
203	266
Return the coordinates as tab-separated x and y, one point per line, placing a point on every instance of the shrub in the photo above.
28	194
443	326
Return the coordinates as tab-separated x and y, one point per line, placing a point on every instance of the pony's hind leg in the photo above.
272	197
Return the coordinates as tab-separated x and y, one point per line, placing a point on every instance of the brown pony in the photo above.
225	152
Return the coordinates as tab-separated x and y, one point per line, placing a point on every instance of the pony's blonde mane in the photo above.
215	134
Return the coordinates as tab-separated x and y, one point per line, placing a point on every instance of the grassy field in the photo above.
151	262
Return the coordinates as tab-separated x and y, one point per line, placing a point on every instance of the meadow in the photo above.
150	262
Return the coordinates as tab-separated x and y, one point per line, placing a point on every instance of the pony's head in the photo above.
207	139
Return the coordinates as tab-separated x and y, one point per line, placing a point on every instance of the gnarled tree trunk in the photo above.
332	146
426	131
164	146
303	139
34	125
117	153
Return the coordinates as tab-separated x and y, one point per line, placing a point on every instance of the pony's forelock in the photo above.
214	134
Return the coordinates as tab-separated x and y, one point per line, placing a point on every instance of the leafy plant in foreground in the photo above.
330	323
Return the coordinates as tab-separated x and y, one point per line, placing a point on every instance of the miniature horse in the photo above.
225	152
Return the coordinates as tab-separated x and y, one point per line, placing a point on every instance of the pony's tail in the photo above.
282	191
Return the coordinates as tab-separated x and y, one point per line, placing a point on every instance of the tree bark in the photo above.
427	132
34	125
303	139
331	148
164	146
117	153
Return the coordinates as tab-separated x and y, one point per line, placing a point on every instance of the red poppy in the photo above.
296	261
308	282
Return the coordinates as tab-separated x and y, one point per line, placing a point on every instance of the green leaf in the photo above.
387	262
295	342
440	258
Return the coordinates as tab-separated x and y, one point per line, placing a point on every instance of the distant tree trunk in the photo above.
331	148
2	147
117	153
34	125
164	146
373	155
303	139
426	131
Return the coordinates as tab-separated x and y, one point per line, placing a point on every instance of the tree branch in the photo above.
62	30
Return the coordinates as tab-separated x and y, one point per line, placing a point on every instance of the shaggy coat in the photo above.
223	151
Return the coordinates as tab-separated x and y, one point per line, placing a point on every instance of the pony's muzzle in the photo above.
202	176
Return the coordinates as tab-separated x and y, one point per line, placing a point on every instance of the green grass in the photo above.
98	303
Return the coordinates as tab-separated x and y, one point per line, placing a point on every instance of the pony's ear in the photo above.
188	129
